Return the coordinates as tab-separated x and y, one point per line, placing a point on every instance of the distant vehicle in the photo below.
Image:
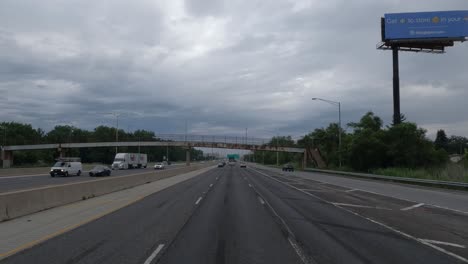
243	165
123	161
224	163
100	170
66	167
288	167
159	166
221	164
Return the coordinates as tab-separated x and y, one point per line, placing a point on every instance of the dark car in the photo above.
288	167
100	171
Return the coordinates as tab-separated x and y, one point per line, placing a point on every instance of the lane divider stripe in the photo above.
412	207
154	254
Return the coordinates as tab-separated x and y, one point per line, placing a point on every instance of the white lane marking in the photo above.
154	254
377	222
443	243
360	206
298	250
22	176
211	185
412	207
199	199
314	190
351	190
400	198
250	185
216	178
261	200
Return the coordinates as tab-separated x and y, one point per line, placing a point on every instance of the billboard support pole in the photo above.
396	87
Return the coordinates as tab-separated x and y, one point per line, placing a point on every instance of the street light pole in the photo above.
116	115
339	123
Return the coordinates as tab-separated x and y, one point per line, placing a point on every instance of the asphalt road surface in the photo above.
15	183
234	215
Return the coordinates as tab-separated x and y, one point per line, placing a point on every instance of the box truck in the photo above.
123	161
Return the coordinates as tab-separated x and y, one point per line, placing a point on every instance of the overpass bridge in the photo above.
183	141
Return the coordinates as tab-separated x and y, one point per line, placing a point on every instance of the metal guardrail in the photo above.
447	184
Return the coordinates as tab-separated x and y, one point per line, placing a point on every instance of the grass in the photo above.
451	172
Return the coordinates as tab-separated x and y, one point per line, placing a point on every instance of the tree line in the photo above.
13	133
372	145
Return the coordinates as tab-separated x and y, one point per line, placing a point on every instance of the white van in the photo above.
66	168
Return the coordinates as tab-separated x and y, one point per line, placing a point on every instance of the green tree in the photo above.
456	144
441	141
409	147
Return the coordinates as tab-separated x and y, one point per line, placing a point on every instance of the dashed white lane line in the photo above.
154	254
314	190
422	241
199	199
261	200
211	185
351	190
360	206
442	243
250	185
412	207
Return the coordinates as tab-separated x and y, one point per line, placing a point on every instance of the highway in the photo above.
23	182
255	215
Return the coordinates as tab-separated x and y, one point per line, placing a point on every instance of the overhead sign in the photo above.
426	25
232	156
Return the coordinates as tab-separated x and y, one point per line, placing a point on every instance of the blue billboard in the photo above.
426	25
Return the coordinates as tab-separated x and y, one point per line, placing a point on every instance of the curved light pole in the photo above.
339	123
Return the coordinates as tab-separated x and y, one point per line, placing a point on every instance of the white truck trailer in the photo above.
123	161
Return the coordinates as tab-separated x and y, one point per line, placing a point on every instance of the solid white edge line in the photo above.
198	200
378	223
412	207
443	243
154	254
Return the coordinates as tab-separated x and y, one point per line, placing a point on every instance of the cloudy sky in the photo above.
221	66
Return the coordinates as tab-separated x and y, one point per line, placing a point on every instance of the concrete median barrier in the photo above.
20	203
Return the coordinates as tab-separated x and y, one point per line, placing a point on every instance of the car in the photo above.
288	167
100	170
159	166
220	165
243	165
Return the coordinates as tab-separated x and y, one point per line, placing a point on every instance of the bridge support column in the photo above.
187	157
304	161
7	157
61	152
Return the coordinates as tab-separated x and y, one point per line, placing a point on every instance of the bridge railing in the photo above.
214	139
158	137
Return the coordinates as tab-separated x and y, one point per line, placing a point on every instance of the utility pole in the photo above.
339	123
277	152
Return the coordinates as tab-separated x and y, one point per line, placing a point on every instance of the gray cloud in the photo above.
221	65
